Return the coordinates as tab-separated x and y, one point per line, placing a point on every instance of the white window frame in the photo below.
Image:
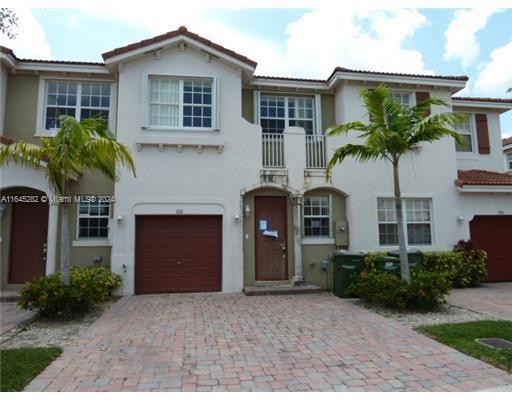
405	221
312	239
508	161
42	100
317	130
215	99
412	95
472	134
97	241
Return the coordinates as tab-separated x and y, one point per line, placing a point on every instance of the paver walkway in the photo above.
493	299
214	342
11	316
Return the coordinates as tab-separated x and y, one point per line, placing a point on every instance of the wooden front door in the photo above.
29	230
271	242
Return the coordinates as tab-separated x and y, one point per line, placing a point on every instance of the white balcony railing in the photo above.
315	151
273	150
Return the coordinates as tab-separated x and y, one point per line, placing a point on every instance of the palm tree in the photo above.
77	146
393	130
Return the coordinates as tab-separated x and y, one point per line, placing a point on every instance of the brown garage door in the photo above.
178	253
494	235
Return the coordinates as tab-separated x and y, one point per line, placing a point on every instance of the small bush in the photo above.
474	264
426	291
465	265
51	298
370	260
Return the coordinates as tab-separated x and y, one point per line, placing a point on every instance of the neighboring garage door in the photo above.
178	253
494	235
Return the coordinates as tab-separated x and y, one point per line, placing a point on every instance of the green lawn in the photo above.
462	337
19	366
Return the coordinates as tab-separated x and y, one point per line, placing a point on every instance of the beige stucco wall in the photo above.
21	107
328	111
3	93
248	105
314	254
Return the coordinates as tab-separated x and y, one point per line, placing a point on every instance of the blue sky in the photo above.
299	42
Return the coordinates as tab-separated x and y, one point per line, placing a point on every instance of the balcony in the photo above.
274	155
273	150
315	151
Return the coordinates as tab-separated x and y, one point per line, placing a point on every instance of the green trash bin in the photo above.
388	264
347	267
415	258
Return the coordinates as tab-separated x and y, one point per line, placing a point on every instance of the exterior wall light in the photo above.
460	219
120	218
247	211
236	218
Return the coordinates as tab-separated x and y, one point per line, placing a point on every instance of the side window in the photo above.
93	218
467	131
317	216
78	100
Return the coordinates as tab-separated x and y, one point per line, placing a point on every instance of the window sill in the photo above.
317	241
91	243
183	129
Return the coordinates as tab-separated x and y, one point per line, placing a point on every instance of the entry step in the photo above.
281	289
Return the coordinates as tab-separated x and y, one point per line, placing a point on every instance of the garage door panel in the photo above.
178	254
494	235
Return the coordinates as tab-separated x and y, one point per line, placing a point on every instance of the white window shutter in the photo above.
318	115
256	106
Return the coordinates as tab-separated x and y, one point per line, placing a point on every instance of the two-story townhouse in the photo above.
231	188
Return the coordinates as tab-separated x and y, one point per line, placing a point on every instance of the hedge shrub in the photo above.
52	298
465	265
426	291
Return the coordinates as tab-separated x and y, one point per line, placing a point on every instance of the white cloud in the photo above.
496	76
30	41
315	43
324	38
461	43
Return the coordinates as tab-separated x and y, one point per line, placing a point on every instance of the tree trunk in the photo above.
404	262
64	243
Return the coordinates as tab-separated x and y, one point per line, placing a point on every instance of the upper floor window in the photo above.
509	161
466	131
417	221
404	98
93	217
180	103
279	112
79	100
317	216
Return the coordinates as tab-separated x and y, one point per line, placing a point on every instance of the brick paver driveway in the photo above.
493	299
233	342
12	316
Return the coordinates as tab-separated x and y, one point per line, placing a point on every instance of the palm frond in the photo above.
22	153
359	152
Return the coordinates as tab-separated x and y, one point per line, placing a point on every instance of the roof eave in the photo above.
466	188
288	84
454	84
111	61
499	106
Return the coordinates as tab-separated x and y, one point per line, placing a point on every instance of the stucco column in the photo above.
298	278
51	239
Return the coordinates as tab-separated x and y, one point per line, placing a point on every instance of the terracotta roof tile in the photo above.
182	30
284	78
507	141
484	99
482	177
357	71
6	50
